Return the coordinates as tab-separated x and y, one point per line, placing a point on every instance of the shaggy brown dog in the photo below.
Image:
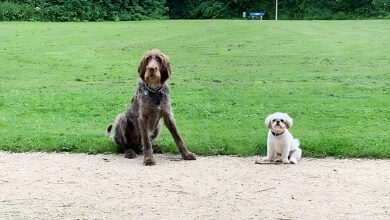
141	123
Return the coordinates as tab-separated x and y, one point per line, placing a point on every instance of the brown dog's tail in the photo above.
108	131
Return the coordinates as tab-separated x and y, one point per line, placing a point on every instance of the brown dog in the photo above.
141	123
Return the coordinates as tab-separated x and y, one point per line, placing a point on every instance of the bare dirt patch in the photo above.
79	186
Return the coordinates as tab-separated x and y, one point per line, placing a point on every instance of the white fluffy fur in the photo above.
283	143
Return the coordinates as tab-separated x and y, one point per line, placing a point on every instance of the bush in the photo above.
288	9
83	10
128	10
10	11
209	9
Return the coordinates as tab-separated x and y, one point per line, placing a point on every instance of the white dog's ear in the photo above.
289	121
268	121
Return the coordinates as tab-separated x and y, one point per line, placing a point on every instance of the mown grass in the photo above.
61	84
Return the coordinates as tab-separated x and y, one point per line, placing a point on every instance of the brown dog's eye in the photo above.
158	59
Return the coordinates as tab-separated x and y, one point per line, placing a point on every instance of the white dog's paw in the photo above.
293	161
285	161
278	159
267	159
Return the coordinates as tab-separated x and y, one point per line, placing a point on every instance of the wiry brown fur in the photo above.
140	124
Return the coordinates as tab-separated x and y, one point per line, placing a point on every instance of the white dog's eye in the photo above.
281	120
274	120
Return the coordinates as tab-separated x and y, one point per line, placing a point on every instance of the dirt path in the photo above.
79	186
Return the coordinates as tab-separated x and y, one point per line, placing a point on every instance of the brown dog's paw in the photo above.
189	156
149	161
129	153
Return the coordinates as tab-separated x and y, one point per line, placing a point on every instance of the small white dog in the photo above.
280	141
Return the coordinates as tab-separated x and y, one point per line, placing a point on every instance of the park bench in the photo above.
254	15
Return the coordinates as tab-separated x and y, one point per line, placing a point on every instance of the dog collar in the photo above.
155	94
275	134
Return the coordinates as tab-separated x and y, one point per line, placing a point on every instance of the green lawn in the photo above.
61	84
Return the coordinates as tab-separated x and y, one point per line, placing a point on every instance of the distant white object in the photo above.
253	15
276	10
244	14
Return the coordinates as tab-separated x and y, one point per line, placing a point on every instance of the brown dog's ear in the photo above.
165	69
142	68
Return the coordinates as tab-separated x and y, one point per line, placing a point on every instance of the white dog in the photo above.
280	140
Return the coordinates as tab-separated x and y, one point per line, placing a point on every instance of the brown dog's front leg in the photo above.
170	123
147	146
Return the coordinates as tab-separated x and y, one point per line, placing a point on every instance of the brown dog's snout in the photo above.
152	68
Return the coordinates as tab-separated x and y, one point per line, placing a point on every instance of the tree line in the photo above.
130	10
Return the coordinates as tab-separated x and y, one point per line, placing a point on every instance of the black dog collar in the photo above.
155	94
275	134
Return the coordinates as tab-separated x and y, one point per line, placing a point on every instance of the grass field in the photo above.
61	84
